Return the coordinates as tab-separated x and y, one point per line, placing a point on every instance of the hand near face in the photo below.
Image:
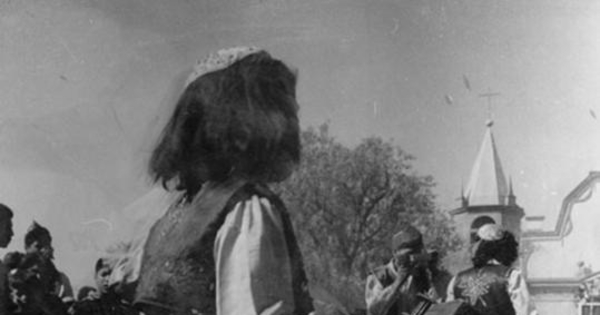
402	258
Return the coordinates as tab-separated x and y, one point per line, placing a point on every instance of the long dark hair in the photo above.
504	250
238	121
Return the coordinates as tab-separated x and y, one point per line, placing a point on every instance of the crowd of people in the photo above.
492	286
31	284
227	245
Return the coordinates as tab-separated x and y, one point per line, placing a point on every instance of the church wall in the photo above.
577	249
511	220
553	303
569	254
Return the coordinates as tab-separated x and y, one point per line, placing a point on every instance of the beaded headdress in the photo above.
219	60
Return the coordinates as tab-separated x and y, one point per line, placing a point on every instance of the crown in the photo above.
219	60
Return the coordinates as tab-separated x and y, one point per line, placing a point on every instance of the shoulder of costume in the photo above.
249	189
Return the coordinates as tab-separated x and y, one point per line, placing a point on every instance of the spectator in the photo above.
6	234
32	286
87	293
105	301
394	288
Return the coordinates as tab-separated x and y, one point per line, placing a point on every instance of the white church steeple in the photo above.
487	184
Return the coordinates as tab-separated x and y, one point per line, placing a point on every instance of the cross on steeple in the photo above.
489	95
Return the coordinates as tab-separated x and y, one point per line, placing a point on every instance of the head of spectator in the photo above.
408	241
39	240
102	271
6	227
86	293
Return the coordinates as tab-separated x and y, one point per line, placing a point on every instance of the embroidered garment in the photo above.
230	251
492	289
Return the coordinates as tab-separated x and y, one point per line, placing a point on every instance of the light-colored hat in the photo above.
220	60
491	232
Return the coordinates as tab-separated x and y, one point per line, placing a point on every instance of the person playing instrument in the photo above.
394	288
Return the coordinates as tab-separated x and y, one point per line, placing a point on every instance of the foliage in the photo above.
346	204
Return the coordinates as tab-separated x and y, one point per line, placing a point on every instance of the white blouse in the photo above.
253	267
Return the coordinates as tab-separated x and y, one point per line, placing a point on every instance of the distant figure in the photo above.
227	246
6	234
583	270
87	293
393	289
493	286
39	240
105	301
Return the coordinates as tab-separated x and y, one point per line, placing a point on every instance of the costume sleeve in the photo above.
519	295
253	267
450	292
379	298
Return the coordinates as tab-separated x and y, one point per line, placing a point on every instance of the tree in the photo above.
346	204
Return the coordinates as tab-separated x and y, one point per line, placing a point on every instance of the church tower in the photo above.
488	197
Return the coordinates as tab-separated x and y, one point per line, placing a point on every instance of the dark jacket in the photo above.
486	289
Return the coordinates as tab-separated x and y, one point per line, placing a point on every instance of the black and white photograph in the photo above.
322	157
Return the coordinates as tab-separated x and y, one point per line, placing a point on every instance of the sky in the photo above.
87	85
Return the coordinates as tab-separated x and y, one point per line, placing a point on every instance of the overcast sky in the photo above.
87	84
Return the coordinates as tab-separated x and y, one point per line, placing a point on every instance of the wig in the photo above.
238	121
504	250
